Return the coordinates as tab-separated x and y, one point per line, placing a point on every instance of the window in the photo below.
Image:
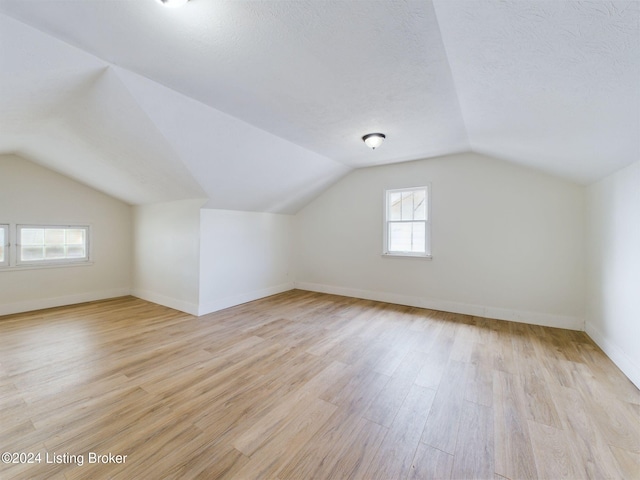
407	222
39	244
4	245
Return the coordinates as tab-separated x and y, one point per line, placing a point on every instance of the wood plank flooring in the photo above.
308	386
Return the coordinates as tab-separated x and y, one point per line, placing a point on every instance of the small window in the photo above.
4	245
407	223
38	244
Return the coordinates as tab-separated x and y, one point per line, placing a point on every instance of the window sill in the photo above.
399	255
16	268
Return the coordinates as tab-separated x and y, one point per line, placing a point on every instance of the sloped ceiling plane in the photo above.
260	105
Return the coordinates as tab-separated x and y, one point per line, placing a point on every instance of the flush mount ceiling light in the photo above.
172	3
373	140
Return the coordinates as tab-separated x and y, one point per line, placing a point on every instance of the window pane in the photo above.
3	242
399	237
54	252
54	236
395	202
407	222
32	236
419	205
407	237
75	236
417	237
29	254
46	244
76	251
407	205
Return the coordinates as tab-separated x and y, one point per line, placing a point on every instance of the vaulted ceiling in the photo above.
260	105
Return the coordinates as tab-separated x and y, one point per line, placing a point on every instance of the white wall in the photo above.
166	266
30	193
243	256
613	292
200	260
507	242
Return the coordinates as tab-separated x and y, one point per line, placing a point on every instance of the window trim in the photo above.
427	255
7	244
55	262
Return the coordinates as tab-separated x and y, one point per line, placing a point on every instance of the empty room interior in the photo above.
313	239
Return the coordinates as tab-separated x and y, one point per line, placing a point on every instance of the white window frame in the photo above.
53	262
388	221
7	244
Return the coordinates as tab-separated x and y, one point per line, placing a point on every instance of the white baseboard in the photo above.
616	354
176	304
226	302
534	318
41	303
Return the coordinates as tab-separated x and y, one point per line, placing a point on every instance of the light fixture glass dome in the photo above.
373	140
173	3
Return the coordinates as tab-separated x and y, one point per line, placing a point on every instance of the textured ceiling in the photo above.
550	84
260	105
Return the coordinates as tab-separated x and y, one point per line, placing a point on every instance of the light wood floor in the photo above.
309	386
